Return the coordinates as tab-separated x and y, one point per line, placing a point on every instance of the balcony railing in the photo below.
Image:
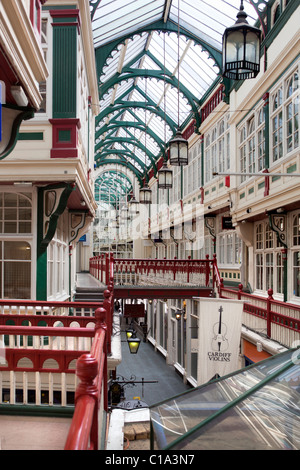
277	320
48	347
148	271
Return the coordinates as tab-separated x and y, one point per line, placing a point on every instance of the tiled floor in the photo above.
160	379
86	280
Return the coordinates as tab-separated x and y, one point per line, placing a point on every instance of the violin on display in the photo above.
219	341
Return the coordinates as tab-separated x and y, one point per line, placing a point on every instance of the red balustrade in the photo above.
92	371
268	312
154	267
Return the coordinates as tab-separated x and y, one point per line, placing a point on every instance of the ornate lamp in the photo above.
178	150
241	48
145	195
133	343
165	178
133	206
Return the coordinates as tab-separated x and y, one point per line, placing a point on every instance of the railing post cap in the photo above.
270	293
87	368
100	315
106	293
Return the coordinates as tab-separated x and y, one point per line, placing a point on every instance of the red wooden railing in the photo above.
272	312
20	319
106	267
92	370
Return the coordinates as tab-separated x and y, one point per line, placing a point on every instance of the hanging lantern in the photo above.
165	177
133	343
133	206
145	195
241	49
178	150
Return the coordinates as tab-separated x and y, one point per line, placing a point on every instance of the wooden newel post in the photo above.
207	271
107	308
240	291
100	315
87	370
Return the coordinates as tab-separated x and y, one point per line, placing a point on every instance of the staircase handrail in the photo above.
92	370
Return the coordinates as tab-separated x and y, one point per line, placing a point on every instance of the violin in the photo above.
219	341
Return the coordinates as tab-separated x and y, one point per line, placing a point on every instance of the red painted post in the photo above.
100	315
107	307
240	291
86	409
269	300
106	268
188	269
207	269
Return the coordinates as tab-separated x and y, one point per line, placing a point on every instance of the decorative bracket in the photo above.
277	223
55	199
77	223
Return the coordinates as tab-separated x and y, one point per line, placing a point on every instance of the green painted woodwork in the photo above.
31	136
64	136
37	410
64	70
41	262
22	114
43	241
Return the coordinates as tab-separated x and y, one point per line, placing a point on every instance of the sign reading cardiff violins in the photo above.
219	343
220	324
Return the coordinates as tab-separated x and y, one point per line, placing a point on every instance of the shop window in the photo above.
268	260
252	143
217	149
15	270
285	117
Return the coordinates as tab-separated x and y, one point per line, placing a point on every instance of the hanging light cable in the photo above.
133	203
165	173
145	192
178	145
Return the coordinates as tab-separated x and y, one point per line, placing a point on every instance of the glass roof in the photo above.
257	408
138	46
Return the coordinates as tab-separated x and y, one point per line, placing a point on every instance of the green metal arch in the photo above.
137	104
138	125
116	172
121	153
121	140
124	163
104	52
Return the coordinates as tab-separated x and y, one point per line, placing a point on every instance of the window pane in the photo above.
17	270
297	273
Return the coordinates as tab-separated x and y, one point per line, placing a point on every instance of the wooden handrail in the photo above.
92	371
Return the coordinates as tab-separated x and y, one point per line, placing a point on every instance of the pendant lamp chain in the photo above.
178	145
145	192
165	174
